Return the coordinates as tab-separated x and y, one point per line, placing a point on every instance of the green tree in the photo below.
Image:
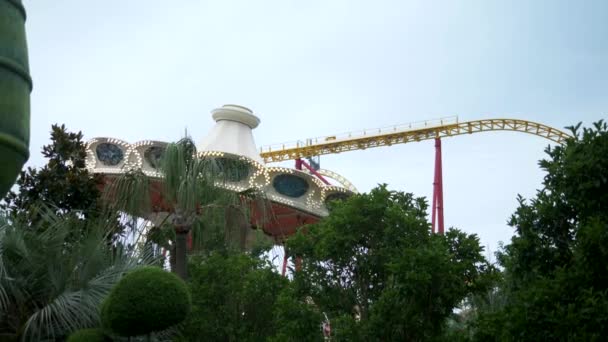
63	184
374	267
234	296
296	318
52	284
556	278
188	187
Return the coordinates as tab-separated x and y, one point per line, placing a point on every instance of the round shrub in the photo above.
146	300
88	335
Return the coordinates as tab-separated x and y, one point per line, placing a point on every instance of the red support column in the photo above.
437	213
434	207
285	259
312	171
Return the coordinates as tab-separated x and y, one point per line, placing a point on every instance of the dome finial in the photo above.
236	113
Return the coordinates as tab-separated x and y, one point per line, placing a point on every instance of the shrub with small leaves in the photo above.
146	300
89	335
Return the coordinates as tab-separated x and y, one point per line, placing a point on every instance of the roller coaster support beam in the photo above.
285	258
437	214
313	171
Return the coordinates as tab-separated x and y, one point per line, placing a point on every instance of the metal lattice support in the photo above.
339	178
402	135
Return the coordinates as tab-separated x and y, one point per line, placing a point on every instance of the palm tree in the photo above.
189	190
52	281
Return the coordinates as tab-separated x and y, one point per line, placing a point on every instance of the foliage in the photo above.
145	300
63	183
556	278
88	335
295	318
234	298
374	267
188	189
52	284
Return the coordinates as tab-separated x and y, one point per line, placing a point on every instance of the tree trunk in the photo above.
181	262
172	258
236	229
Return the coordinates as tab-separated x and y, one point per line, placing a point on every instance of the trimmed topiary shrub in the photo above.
146	300
88	335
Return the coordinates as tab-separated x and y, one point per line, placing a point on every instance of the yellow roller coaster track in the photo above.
441	128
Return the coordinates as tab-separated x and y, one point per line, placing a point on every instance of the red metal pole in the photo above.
312	171
285	258
434	210
437	216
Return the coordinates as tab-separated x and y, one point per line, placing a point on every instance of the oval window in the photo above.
232	170
153	155
336	196
109	154
290	185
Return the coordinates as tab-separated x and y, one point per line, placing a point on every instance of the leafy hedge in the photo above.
88	335
146	300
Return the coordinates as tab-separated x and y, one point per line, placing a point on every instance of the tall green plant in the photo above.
556	283
52	284
63	184
234	297
374	267
188	188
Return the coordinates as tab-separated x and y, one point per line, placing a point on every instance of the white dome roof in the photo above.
232	132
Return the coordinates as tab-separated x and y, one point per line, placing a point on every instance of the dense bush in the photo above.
376	270
556	283
233	298
51	282
88	335
146	300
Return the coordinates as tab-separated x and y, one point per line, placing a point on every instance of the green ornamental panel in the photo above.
15	88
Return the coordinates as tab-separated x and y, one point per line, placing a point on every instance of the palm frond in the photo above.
56	280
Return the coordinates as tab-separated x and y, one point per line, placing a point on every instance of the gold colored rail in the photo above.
404	134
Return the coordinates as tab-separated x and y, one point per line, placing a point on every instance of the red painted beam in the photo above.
314	172
437	222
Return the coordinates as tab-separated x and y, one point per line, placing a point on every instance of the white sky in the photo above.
149	69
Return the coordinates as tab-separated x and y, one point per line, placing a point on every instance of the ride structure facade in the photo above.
298	196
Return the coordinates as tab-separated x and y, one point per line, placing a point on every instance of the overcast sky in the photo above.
150	69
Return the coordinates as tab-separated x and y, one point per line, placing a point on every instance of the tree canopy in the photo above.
555	275
374	267
234	297
52	284
62	184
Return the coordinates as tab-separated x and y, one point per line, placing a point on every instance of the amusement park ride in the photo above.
297	196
